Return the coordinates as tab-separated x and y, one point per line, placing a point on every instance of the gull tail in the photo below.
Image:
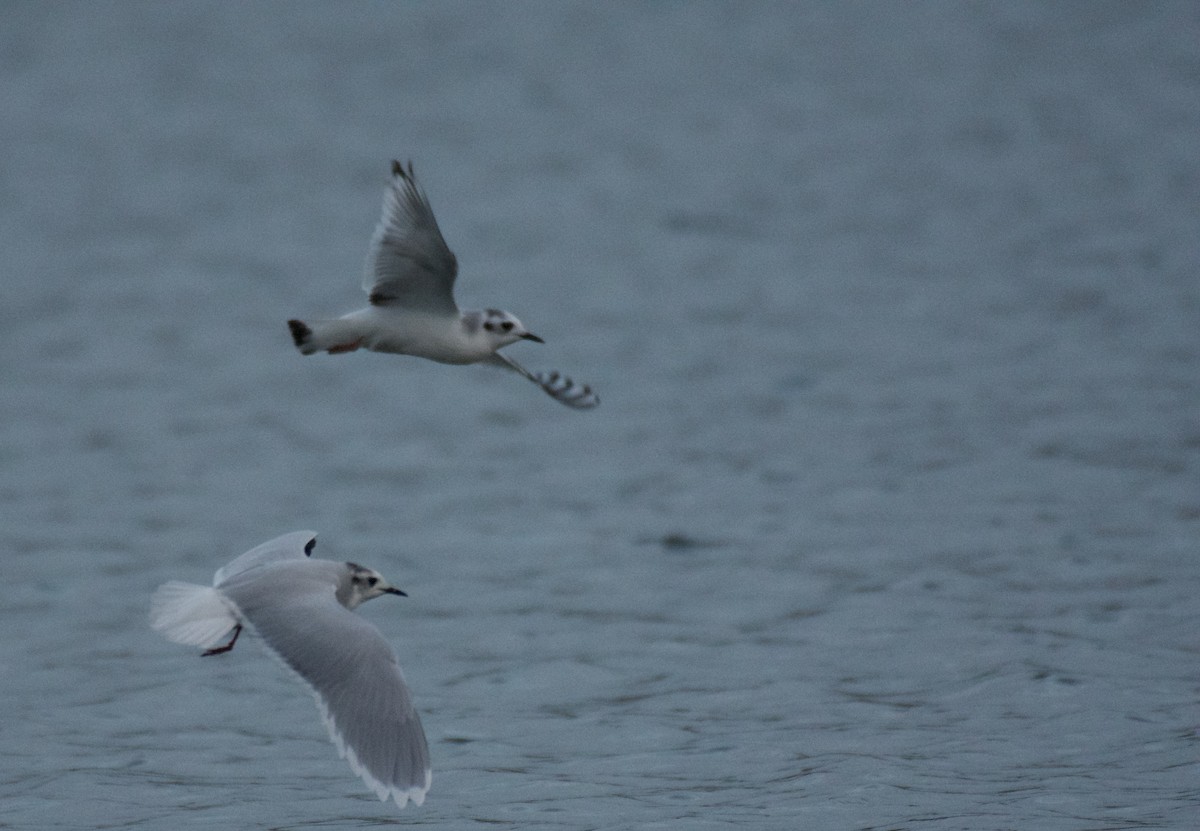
559	387
332	336
190	614
302	336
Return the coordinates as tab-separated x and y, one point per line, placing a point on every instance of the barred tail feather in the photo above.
190	614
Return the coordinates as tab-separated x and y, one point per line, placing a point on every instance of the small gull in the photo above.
300	608
409	280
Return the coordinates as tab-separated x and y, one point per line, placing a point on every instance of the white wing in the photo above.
294	546
559	387
409	263
351	669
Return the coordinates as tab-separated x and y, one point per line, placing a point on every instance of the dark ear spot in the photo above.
489	326
309	547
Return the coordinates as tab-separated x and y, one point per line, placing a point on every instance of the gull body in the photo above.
410	274
301	608
462	340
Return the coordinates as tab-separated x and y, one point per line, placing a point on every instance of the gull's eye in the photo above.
506	325
371	581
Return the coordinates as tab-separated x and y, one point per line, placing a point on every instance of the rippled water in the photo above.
888	519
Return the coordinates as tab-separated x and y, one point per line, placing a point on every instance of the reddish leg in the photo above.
339	348
217	650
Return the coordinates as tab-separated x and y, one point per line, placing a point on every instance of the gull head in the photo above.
504	328
361	584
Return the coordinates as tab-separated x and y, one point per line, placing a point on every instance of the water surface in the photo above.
888	519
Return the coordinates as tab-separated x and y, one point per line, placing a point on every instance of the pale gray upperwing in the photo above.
350	667
409	263
293	546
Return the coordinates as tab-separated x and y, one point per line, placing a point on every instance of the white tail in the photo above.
190	614
333	336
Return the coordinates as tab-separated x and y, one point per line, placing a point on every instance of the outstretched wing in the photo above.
557	386
294	546
352	671
409	263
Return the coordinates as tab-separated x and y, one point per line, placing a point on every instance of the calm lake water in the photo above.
889	517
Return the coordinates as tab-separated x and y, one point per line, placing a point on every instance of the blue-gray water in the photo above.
888	519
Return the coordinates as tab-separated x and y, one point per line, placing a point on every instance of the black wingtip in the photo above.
565	391
398	169
308	547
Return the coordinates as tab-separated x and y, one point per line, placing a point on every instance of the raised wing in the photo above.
409	263
556	385
352	671
294	546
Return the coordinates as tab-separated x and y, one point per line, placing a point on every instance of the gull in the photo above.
301	609
409	281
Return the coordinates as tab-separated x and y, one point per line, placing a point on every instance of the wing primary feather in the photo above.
409	263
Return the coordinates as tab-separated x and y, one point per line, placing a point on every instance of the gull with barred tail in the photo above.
409	281
301	609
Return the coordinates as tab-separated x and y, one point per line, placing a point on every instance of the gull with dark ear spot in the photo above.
409	281
301	608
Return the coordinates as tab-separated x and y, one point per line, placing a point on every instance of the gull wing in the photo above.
351	669
294	546
559	387
409	264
